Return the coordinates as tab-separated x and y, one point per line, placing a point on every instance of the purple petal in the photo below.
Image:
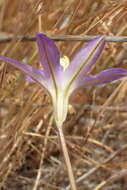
29	79
85	59
35	74
49	57
104	77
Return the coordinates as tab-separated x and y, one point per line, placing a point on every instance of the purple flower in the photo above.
62	77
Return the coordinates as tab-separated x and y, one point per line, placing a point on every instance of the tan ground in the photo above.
96	130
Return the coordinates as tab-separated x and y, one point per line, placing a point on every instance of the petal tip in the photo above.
41	36
99	39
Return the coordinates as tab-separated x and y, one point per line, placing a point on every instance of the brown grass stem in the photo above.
65	38
67	158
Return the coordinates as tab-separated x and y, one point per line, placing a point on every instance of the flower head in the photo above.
61	77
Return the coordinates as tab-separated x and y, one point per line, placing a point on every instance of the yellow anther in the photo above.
64	62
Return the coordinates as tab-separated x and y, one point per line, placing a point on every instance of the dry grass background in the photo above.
96	128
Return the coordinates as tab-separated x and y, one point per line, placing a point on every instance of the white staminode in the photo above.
64	62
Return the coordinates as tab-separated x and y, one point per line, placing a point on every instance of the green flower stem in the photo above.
67	158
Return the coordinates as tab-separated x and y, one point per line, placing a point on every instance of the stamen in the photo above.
64	62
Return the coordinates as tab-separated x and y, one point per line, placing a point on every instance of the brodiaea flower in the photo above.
62	77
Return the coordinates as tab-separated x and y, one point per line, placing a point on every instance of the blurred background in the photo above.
96	126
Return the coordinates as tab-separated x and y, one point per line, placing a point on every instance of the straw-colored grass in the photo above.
96	127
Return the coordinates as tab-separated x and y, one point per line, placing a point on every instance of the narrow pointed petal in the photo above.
49	57
35	74
83	61
29	79
104	77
